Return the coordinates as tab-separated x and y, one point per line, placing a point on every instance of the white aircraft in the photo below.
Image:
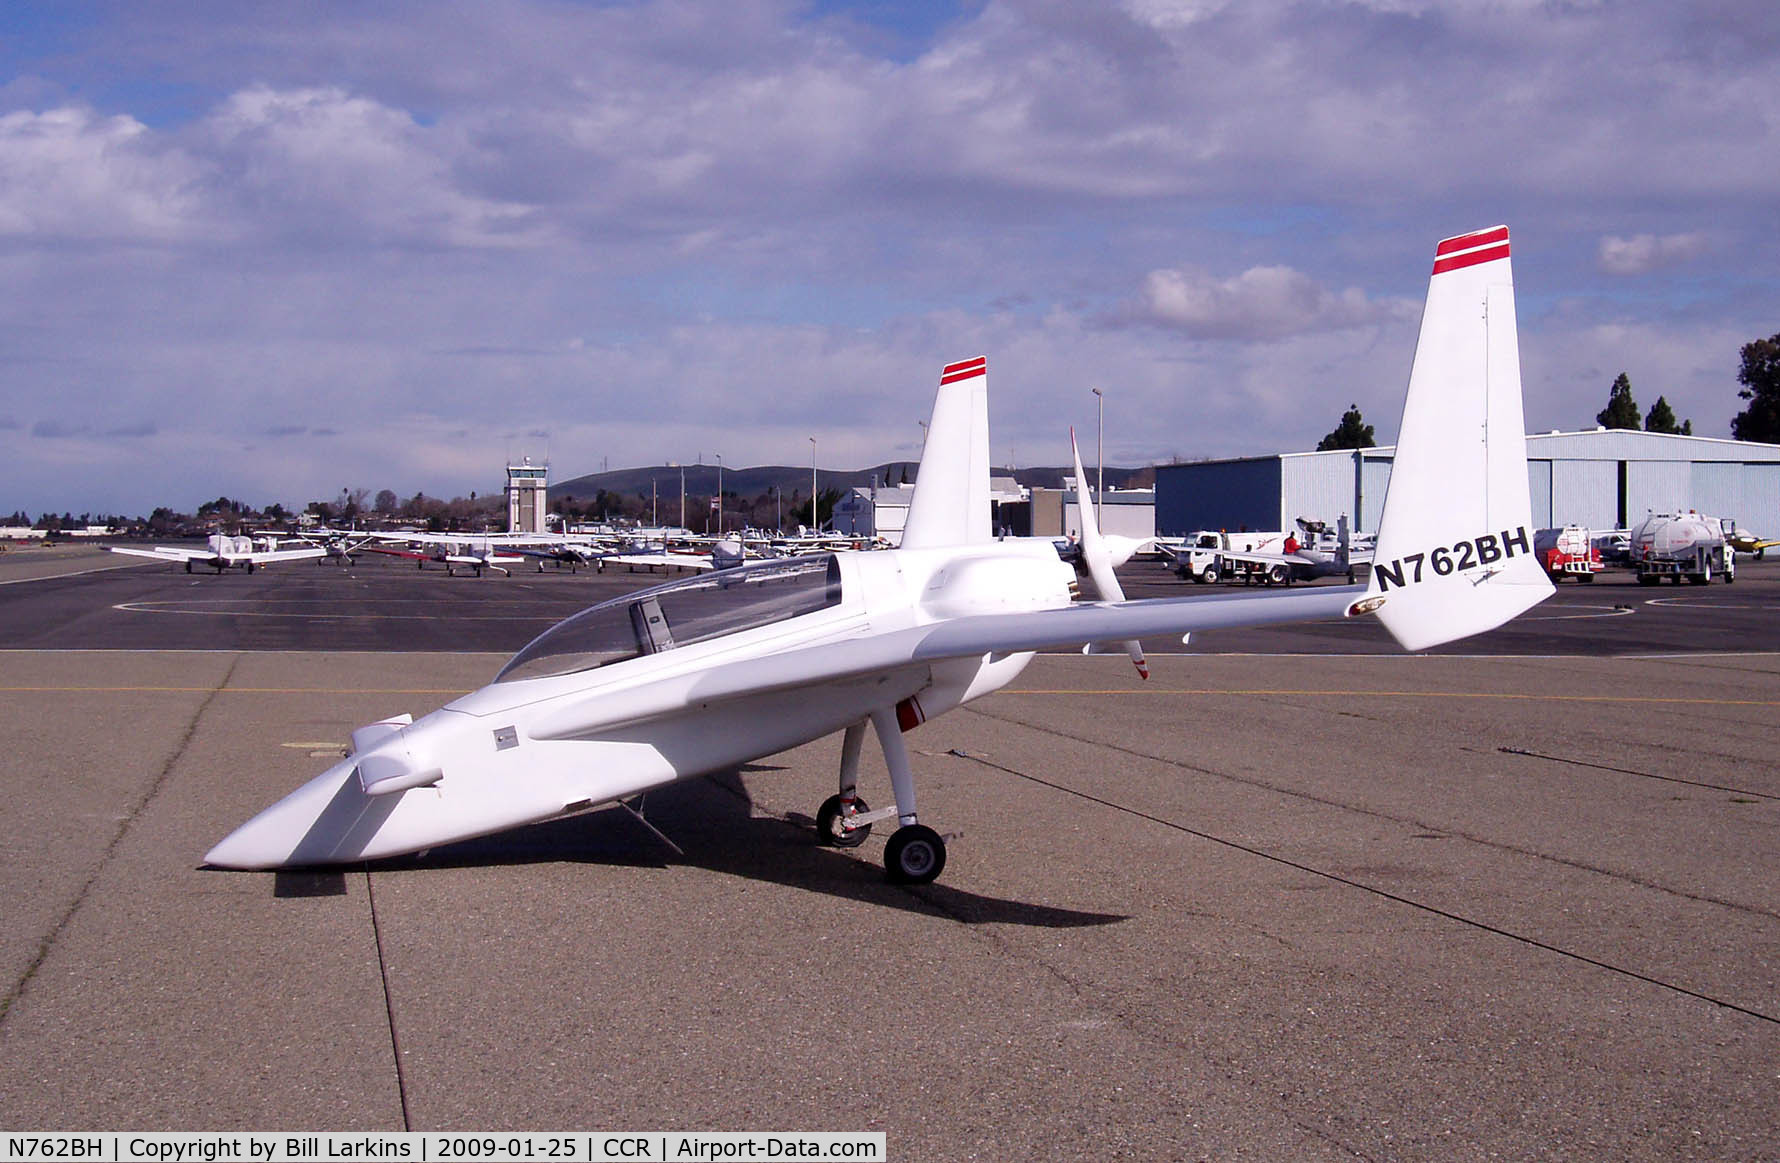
475	551
709	672
1316	553
223	552
337	545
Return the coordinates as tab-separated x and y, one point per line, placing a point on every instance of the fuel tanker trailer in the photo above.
1681	545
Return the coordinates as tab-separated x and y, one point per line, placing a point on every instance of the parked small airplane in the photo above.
1745	542
705	673
476	552
1315	554
337	545
222	552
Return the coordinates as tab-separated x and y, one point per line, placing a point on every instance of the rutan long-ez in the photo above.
700	675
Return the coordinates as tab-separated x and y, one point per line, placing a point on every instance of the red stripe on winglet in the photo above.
1470	258
1467	241
953	372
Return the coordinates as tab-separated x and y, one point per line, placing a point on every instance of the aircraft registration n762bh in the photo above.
701	675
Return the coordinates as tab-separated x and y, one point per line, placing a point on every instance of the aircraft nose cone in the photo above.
327	820
249	847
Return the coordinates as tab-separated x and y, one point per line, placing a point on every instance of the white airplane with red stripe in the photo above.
700	675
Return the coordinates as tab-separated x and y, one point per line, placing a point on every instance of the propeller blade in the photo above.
1098	557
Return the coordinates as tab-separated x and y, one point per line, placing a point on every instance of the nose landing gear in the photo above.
915	853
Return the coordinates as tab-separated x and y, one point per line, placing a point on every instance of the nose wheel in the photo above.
835	824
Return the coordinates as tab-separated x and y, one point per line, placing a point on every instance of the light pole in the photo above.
815	525
1099	452
923	425
682	468
719	494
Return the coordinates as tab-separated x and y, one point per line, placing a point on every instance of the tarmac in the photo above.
1320	902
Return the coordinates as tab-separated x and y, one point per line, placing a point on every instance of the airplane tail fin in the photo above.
1455	544
951	501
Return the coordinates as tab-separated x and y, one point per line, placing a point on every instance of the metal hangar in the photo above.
1603	478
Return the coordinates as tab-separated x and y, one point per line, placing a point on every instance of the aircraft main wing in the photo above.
164	553
915	648
1091	622
269	555
673	560
1256	558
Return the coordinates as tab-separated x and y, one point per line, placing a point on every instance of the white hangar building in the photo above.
1604	479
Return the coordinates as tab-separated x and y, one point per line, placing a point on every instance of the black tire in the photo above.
1278	575
1210	575
914	855
828	824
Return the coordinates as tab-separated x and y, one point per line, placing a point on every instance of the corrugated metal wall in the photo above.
1657	486
1318	487
1574	479
1374	477
1750	493
1583	492
1217	494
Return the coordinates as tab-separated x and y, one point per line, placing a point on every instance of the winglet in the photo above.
951	501
1455	544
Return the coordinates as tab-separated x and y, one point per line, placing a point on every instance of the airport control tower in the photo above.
526	483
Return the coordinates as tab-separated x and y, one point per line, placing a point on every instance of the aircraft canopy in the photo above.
679	613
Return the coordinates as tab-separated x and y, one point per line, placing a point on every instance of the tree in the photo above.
1621	410
387	502
1760	378
1352	432
1662	419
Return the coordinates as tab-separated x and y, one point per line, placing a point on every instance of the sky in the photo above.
272	251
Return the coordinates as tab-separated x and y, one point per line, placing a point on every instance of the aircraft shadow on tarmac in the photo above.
711	819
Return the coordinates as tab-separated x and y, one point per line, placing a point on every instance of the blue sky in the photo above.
268	251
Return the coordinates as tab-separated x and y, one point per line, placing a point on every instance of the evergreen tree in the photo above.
1352	432
1621	410
1760	378
1662	419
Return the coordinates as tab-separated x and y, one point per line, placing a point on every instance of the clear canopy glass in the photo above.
679	613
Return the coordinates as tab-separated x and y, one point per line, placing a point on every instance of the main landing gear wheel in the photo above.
914	855
828	824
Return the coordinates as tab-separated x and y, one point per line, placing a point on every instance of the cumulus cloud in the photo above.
330	164
1642	253
70	173
687	223
1269	302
